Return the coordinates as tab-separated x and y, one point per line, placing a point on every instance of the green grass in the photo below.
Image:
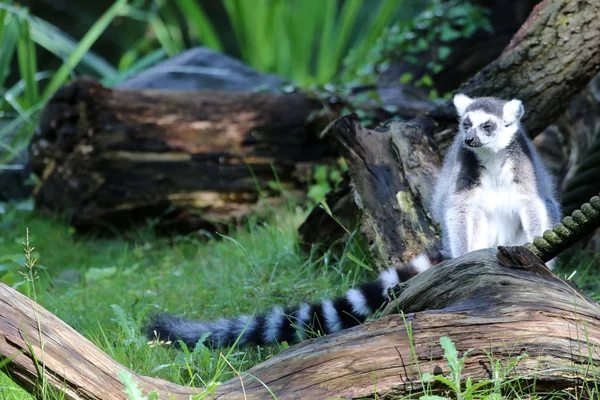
105	288
122	280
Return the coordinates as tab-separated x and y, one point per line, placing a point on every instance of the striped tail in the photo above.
291	324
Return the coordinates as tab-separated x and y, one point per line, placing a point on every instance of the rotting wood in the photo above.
391	169
505	304
193	159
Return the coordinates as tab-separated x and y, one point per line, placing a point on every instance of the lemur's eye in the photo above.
467	123
487	127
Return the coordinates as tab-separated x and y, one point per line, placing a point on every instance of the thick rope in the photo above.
572	229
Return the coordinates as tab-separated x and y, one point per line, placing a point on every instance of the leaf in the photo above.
359	262
426	377
318	192
444	52
450	352
448	33
97	274
447	382
132	389
406	78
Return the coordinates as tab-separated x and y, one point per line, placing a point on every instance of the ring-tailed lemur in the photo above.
492	190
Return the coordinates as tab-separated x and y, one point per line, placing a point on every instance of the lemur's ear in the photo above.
513	111
461	102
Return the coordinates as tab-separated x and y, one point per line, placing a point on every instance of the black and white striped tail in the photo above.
291	324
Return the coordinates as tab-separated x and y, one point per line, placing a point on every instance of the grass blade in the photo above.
305	16
326	43
84	45
283	51
27	64
145	62
162	35
371	32
199	24
235	18
345	24
59	43
8	45
173	26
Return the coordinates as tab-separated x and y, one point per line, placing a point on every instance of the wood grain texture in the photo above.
391	169
69	361
107	156
505	307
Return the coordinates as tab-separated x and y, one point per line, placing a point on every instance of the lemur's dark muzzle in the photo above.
472	140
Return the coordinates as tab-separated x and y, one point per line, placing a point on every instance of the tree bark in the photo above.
391	169
40	345
117	156
550	59
506	305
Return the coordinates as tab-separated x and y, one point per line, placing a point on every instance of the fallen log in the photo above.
550	59
41	346
196	159
505	305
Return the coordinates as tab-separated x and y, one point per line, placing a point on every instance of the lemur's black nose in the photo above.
469	140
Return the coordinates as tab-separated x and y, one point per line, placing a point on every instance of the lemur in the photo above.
492	190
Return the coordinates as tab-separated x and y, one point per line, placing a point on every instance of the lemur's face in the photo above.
487	123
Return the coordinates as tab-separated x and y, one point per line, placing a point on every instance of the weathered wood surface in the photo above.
67	360
391	169
110	156
504	308
552	57
507	306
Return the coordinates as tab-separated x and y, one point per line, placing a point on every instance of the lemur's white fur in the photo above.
493	189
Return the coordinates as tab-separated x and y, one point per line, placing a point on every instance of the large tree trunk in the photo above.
552	57
507	306
116	156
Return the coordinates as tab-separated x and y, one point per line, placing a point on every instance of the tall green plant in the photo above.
303	40
20	35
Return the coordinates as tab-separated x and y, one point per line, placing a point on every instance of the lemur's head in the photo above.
487	122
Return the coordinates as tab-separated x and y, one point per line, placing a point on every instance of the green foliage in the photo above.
132	389
20	36
303	40
251	270
324	178
430	31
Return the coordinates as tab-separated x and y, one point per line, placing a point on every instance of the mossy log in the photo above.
504	305
194	159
